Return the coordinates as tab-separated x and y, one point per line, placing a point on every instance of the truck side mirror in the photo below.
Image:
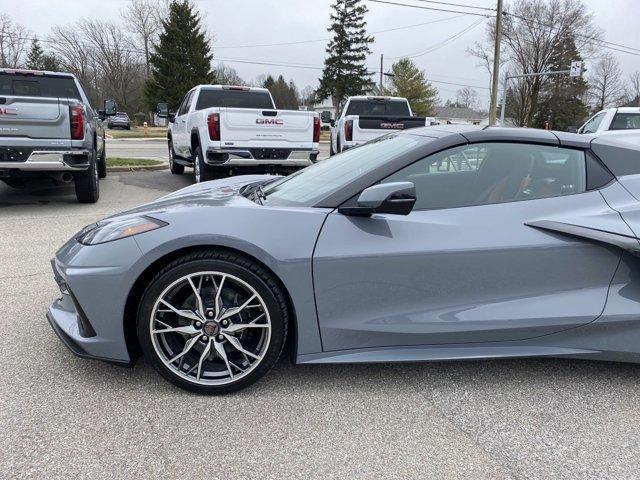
325	116
172	117
110	108
332	122
162	110
101	115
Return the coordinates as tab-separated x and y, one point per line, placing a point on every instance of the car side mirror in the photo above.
397	198
172	117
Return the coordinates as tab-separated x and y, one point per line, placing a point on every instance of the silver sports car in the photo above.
432	244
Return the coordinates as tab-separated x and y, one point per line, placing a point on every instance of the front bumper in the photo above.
88	316
51	161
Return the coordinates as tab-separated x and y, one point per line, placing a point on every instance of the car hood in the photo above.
215	193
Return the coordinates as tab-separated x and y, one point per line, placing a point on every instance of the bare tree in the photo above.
144	19
225	75
67	43
531	30
605	83
634	89
119	63
14	42
467	97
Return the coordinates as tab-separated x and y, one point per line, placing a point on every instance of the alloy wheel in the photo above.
210	328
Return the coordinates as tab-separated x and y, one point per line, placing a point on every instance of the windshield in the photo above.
233	98
396	108
307	186
22	85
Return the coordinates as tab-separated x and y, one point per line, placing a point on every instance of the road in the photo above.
64	417
157	148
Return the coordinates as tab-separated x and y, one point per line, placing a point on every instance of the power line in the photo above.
441	44
327	39
422	7
458	5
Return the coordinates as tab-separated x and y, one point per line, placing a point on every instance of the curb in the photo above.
138	168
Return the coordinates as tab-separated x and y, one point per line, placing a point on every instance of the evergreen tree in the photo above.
34	58
562	97
285	95
409	81
37	59
181	59
345	72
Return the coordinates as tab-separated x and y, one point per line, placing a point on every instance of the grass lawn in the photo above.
138	132
131	162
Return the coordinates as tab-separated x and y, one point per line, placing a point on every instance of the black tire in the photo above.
175	168
201	171
233	264
102	163
86	183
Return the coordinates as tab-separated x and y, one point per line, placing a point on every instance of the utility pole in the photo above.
495	77
381	72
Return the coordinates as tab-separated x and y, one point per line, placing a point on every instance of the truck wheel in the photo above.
175	168
201	171
102	163
86	183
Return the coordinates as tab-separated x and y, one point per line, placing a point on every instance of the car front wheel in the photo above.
212	322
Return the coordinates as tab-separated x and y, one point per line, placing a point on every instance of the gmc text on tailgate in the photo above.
365	118
221	130
48	129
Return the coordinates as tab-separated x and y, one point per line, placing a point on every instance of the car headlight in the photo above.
108	231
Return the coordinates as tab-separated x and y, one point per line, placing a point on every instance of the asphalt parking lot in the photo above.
64	417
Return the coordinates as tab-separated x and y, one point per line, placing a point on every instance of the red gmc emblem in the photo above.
396	126
8	111
269	121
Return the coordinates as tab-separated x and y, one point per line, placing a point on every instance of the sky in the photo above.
237	26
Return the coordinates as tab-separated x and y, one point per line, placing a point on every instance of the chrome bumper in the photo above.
52	161
244	158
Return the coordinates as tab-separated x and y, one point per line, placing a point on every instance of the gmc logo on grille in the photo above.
396	126
8	111
269	121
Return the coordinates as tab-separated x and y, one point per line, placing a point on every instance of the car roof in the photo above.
628	109
476	133
233	87
47	73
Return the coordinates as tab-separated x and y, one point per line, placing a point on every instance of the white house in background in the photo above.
462	115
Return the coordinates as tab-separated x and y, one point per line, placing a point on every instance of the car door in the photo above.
463	266
181	143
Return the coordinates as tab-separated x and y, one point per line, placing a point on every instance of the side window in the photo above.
186	103
592	125
487	173
625	121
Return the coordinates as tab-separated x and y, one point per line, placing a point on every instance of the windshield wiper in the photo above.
255	193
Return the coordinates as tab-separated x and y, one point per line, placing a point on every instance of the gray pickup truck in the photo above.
48	129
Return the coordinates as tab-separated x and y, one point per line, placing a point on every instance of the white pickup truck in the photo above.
622	123
221	130
364	118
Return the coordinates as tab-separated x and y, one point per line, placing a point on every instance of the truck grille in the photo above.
270	153
14	154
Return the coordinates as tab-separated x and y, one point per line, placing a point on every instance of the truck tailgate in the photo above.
265	127
389	123
34	117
